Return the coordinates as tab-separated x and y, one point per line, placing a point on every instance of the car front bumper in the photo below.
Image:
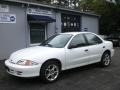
22	71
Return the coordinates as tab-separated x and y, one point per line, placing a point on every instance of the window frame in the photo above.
36	44
88	40
72	22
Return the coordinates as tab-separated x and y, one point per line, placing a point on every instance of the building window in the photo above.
65	24
70	23
37	33
75	24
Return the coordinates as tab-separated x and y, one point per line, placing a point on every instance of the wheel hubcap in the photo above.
107	59
51	72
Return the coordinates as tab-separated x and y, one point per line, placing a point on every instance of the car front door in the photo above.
77	52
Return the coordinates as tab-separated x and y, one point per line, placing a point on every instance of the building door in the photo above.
37	33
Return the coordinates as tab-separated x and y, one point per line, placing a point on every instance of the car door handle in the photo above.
86	50
103	46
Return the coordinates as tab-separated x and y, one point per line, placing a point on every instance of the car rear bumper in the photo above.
22	71
112	52
115	42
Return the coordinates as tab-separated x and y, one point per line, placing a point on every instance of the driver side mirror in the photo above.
73	46
76	45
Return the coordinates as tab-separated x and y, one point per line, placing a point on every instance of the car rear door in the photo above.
96	47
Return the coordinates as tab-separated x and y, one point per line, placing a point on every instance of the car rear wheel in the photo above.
50	71
106	59
119	44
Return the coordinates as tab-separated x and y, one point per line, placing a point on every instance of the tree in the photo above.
109	14
65	3
45	1
62	2
117	2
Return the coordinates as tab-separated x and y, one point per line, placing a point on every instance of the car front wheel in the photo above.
106	59
50	71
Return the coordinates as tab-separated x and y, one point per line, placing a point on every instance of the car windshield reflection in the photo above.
57	41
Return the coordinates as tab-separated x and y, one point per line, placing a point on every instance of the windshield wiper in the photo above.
46	44
49	45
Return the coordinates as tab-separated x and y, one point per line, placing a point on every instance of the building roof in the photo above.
36	3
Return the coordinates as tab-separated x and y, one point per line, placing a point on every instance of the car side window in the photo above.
78	41
93	39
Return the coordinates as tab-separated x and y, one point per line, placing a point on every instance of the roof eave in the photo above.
53	7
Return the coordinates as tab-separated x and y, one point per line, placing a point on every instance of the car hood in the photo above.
33	53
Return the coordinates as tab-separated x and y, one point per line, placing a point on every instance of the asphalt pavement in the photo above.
91	77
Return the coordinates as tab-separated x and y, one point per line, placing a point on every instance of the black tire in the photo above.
50	71
105	60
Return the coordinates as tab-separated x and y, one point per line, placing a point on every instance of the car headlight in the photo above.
26	62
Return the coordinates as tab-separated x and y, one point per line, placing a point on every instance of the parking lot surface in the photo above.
91	77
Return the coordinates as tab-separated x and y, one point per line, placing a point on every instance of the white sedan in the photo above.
60	52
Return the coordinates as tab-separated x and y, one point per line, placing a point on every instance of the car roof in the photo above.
75	33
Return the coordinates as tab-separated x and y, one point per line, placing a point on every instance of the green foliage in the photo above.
117	2
62	2
109	14
44	1
85	5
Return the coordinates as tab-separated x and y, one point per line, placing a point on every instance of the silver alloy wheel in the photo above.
106	59
52	72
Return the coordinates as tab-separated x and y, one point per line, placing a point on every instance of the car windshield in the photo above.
57	41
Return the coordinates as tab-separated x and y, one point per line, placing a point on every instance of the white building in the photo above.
24	24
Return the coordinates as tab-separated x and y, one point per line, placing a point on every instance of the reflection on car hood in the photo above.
32	52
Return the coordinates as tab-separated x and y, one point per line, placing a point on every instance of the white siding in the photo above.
90	24
13	36
55	27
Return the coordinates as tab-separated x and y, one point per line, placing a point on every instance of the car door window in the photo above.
78	41
93	39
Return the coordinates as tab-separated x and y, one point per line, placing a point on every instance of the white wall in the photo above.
12	36
90	24
55	27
